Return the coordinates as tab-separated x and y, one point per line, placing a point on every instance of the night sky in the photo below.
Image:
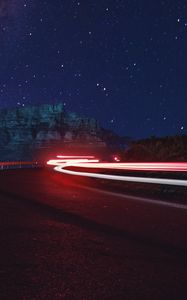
123	62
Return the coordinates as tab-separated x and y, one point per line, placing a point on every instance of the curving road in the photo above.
68	237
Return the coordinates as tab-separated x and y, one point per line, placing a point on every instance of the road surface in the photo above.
66	239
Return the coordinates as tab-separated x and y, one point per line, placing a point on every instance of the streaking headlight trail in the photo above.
62	162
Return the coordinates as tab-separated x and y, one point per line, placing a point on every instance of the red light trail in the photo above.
90	162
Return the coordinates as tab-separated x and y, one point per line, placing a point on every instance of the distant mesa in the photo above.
36	131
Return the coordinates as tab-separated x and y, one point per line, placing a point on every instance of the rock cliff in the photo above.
26	132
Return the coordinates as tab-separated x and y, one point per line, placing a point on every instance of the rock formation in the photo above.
26	132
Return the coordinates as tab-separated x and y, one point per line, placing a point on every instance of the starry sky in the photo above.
123	62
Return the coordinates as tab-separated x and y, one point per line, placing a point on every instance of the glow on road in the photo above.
90	162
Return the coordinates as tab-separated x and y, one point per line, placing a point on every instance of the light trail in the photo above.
75	157
69	161
90	162
164	181
167	167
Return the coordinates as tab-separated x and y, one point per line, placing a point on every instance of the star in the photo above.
77	52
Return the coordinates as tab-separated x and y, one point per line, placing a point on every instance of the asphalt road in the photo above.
60	240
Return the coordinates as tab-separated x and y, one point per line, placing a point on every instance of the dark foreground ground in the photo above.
59	240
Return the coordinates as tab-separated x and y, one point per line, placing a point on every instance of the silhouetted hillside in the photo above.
113	140
170	148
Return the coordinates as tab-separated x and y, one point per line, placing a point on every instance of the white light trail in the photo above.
175	182
90	162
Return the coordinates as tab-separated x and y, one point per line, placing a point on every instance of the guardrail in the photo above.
18	165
